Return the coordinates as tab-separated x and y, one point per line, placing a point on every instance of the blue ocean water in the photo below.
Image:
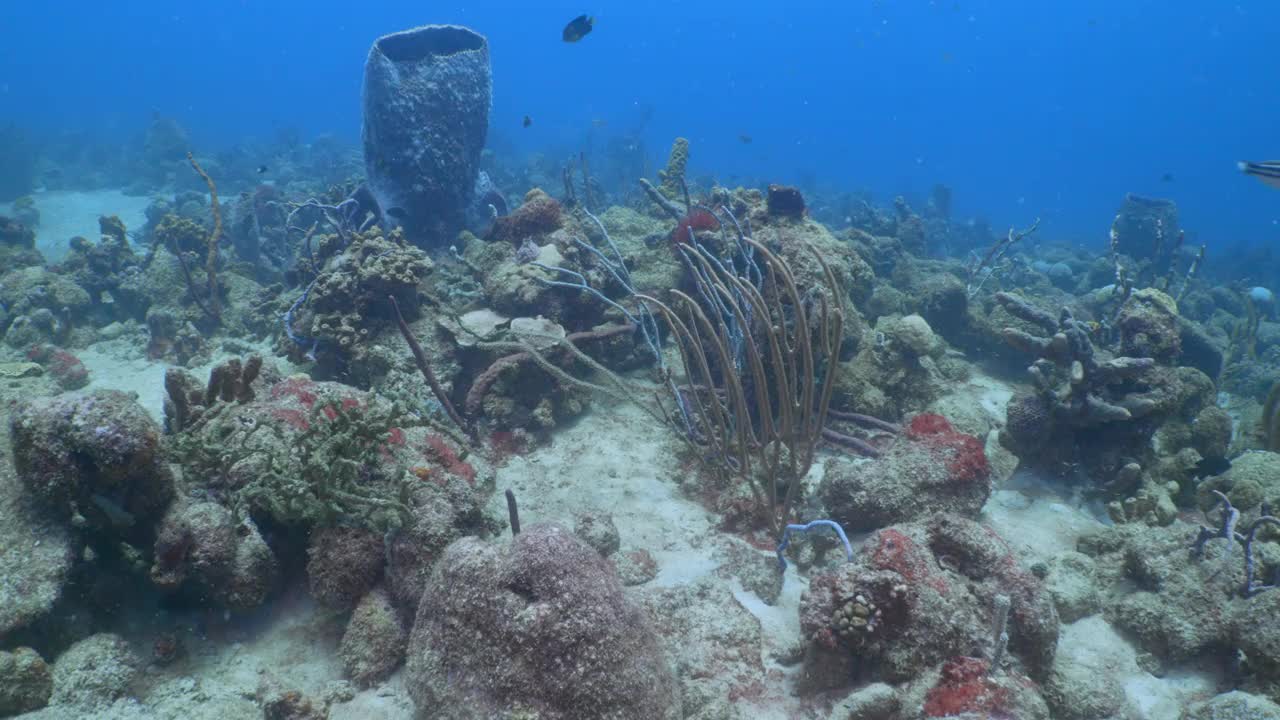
1024	109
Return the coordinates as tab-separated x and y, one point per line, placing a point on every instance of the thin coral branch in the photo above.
424	367
981	269
211	263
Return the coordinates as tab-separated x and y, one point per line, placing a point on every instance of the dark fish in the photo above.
262	169
1167	177
528	121
744	139
578	28
1268	171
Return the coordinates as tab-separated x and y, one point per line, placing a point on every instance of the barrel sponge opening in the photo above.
430	40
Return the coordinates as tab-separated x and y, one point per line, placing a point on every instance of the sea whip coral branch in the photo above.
420	358
211	263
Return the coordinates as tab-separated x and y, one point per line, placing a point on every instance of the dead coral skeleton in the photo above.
1087	396
982	268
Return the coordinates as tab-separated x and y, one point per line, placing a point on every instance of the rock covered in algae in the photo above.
36	556
202	548
343	564
25	681
94	672
1252	479
932	469
539	626
1235	705
1148	326
374	642
92	459
920	594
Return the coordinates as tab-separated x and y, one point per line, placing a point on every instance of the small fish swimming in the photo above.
527	121
1167	177
262	169
744	139
578	28
1267	171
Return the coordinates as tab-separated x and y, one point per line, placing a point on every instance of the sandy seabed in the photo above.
65	214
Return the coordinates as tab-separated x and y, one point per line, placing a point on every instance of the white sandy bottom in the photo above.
65	214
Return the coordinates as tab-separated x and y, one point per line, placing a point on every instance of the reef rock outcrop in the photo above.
540	626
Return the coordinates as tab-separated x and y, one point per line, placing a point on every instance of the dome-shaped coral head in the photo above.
693	221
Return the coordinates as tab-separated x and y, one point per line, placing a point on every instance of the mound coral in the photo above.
541	627
934	468
93	460
926	593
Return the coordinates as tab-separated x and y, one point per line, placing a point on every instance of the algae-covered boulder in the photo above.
895	371
201	548
1252	479
94	672
343	564
932	469
540	626
1073	585
374	642
36	556
25	681
1148	326
920	594
93	460
1235	705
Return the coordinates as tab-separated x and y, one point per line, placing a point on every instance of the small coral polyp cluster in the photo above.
348	380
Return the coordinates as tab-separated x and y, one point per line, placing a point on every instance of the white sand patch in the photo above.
123	365
1096	645
65	214
1037	528
620	462
992	395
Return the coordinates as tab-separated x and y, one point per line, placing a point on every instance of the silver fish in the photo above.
1268	171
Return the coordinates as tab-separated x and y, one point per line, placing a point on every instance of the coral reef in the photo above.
375	640
202	549
932	469
1185	607
93	461
25	681
346	304
541	626
93	673
922	594
18	244
343	565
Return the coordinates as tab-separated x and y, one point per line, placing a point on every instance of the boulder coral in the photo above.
93	460
374	642
539	627
343	564
921	594
932	469
202	549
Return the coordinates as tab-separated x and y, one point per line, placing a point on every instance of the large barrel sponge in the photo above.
94	456
427	93
541	626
